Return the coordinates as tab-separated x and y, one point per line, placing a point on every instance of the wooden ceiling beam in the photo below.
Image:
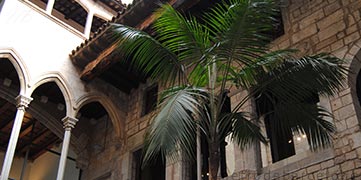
27	128
73	13
5	107
44	148
36	139
97	66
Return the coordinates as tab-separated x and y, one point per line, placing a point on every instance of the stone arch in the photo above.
83	5
62	85
19	66
354	76
108	106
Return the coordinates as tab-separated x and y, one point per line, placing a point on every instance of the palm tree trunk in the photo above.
214	158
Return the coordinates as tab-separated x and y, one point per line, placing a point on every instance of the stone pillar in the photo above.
49	6
69	123
88	24
22	103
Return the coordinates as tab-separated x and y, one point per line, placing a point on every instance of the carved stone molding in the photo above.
69	123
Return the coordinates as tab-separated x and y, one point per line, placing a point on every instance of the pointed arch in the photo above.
354	79
59	80
108	106
19	66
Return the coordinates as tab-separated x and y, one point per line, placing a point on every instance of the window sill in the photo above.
294	163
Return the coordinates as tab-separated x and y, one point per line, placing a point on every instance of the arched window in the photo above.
358	87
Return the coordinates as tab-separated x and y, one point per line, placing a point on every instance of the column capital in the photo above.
69	122
23	101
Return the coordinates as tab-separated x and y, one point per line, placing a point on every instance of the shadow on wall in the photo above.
1	4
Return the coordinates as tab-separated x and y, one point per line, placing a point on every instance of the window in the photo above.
150	99
226	108
154	171
282	143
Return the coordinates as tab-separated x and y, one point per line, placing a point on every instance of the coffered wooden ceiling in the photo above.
74	11
34	136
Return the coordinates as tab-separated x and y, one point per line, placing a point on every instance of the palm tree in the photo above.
197	60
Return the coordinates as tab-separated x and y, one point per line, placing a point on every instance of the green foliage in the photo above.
198	62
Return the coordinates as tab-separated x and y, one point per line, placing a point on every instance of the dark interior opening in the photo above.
282	145
153	171
150	99
226	108
358	87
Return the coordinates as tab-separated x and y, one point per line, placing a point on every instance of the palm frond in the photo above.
146	54
299	78
242	130
181	34
174	127
241	28
307	119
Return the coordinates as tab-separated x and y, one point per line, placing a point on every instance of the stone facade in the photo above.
105	148
332	26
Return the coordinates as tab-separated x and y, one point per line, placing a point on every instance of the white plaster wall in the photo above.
42	44
16	167
46	167
43	168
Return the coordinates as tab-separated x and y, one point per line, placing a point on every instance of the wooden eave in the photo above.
96	55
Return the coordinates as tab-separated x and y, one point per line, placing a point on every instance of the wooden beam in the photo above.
104	59
42	149
26	129
5	107
5	122
73	13
100	63
39	137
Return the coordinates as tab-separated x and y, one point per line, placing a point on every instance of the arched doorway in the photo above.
49	102
9	90
99	156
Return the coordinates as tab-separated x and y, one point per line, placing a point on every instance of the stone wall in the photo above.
332	26
312	26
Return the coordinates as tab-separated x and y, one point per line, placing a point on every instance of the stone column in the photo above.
88	24
69	123
22	103
49	6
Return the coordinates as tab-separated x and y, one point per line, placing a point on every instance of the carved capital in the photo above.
22	101
69	122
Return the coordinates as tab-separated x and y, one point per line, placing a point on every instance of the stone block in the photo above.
334	6
340	159
351	155
327	164
314	17
313	168
336	16
326	42
340	124
336	104
356	138
332	171
352	37
348	165
304	33
347	111
331	30
337	45
344	92
352	122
